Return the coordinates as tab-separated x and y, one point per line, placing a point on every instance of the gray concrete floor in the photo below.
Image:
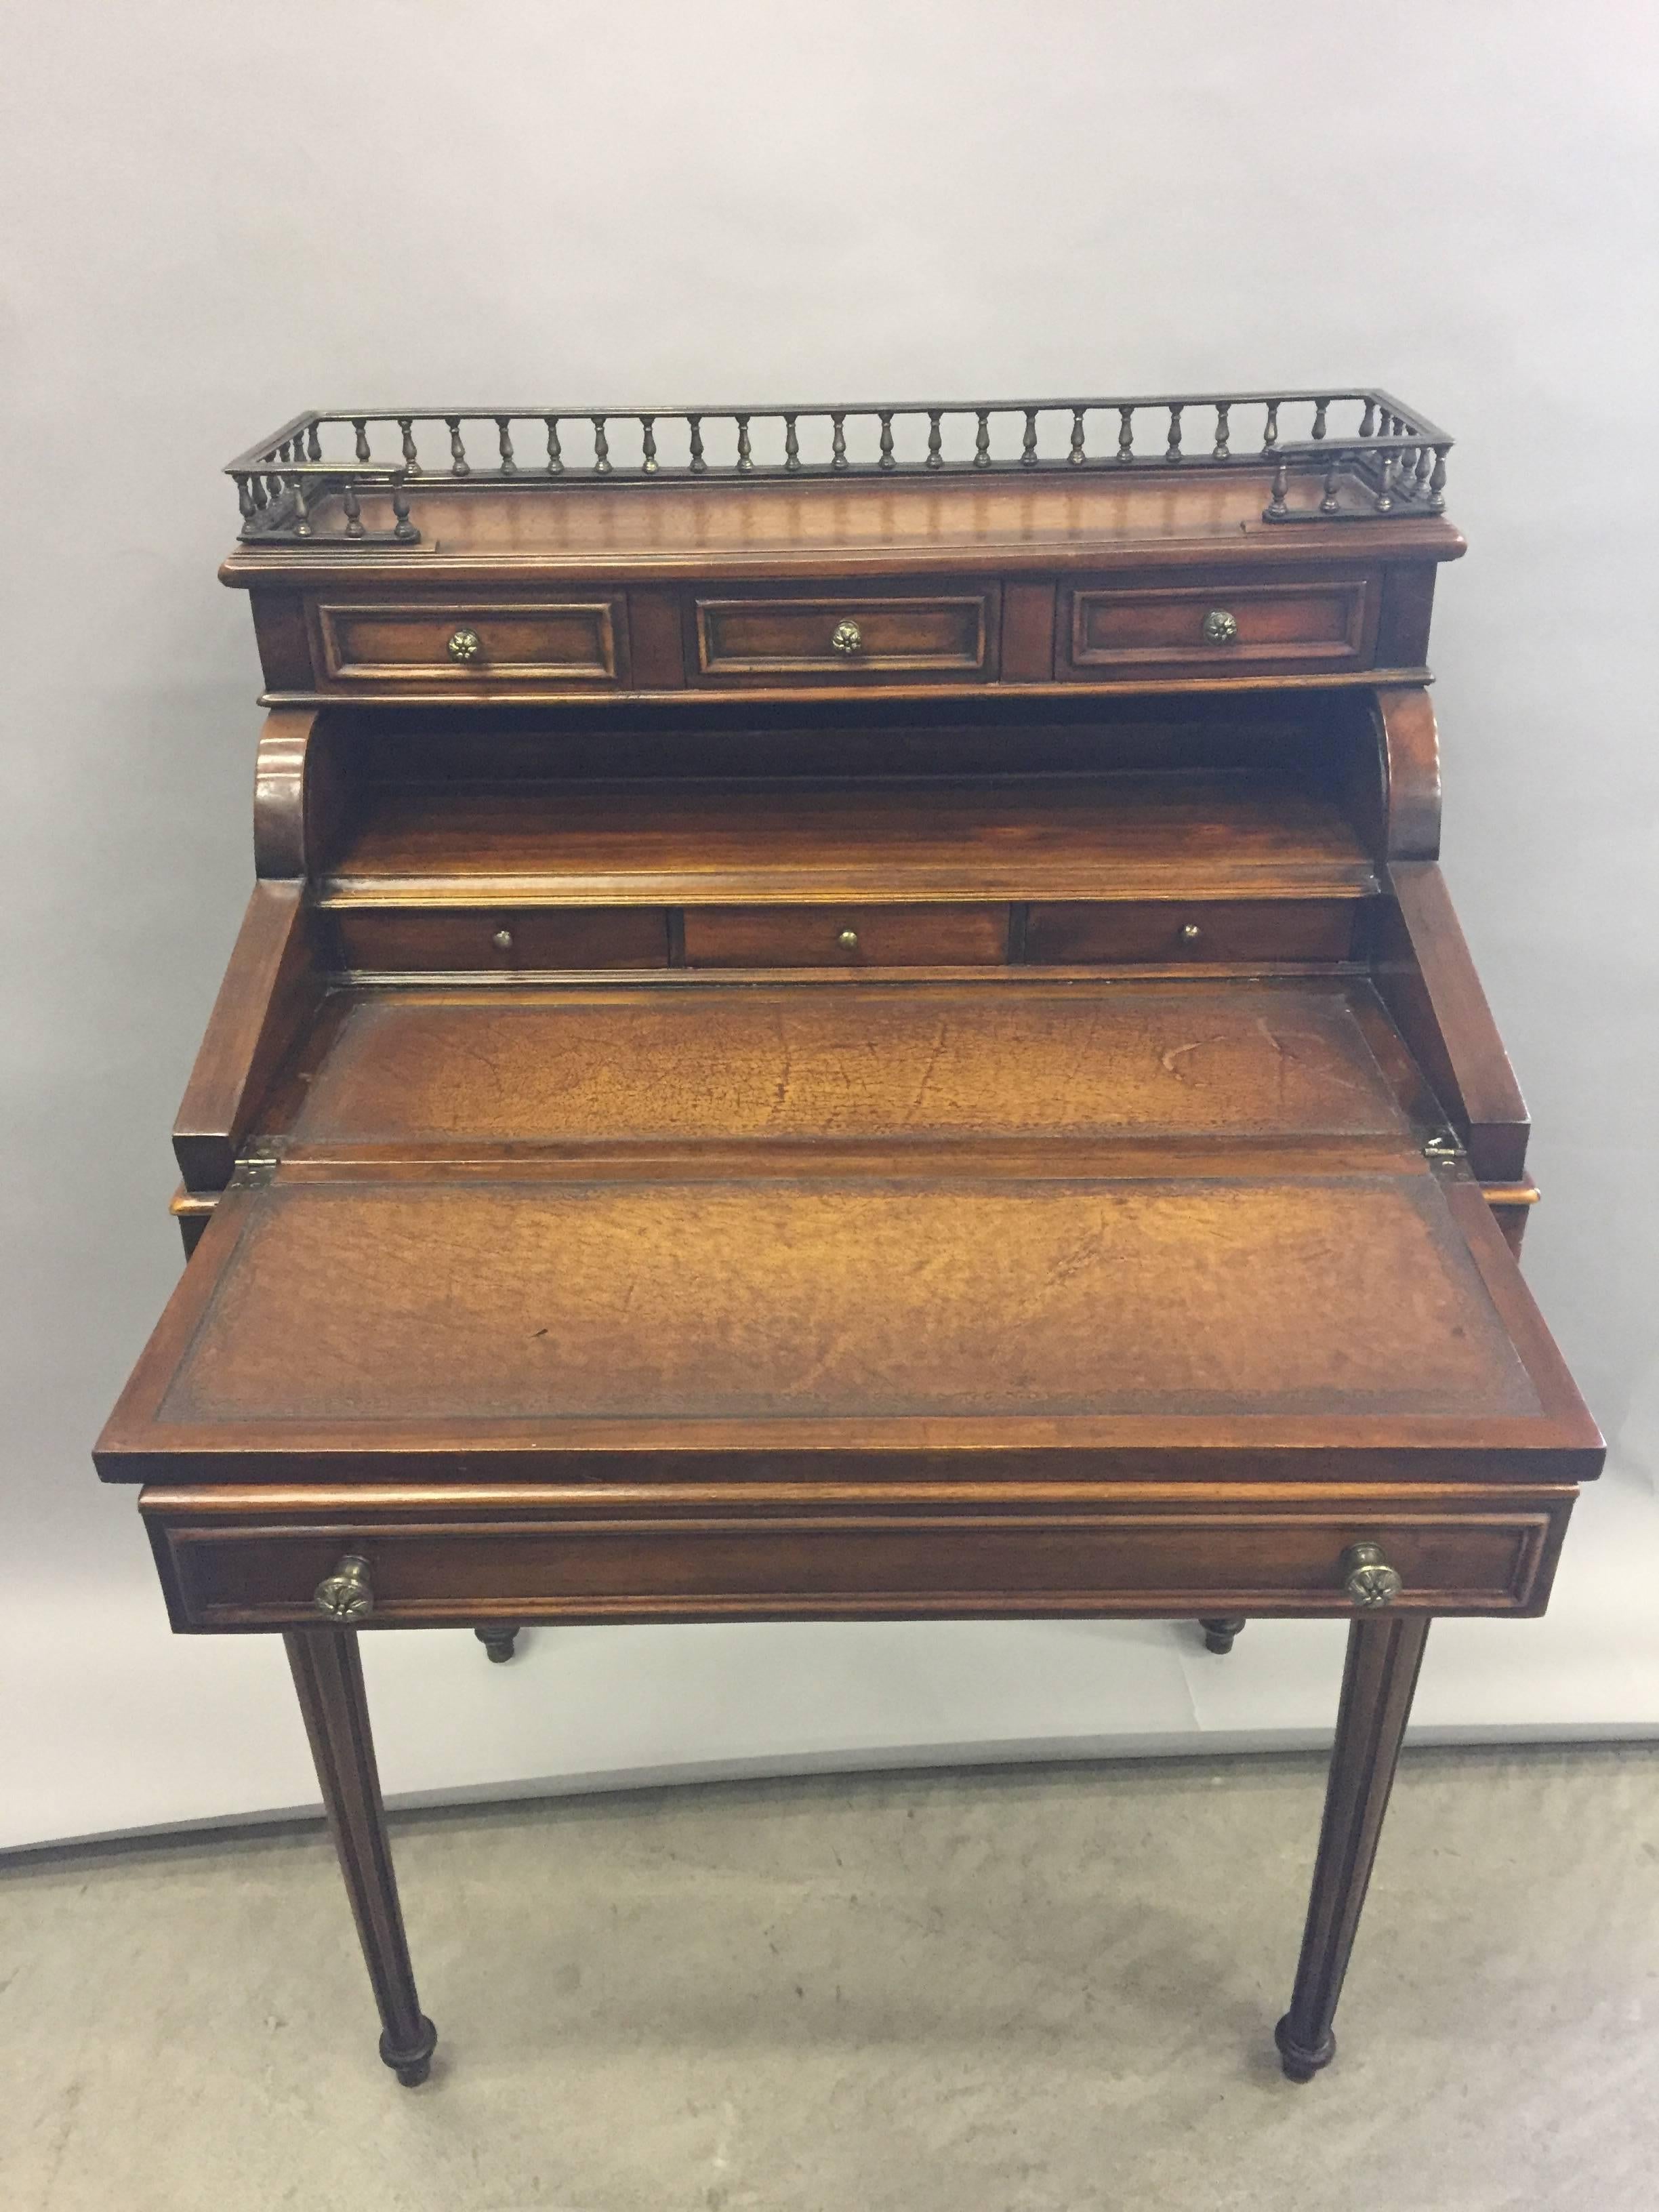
1021	1990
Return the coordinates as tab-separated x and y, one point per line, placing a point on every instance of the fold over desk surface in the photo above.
1110	1232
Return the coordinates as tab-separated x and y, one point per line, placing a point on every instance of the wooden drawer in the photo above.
1073	933
1284	628
1150	1561
844	636
549	937
461	645
818	936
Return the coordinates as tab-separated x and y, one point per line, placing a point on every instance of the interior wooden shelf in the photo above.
681	841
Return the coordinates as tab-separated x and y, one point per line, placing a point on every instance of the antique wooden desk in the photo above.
850	1013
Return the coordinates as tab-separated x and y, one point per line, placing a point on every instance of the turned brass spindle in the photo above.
745	456
406	424
1425	463
1383	499
504	442
1027	450
257	491
649	445
1172	451
555	453
458	464
982	439
1368	421
601	446
354	513
1270	436
314	445
1223	409
699	464
886	420
935	440
1437	482
790	447
360	424
837	442
1330	504
245	499
405	532
1322	407
1276	507
1076	456
1126	435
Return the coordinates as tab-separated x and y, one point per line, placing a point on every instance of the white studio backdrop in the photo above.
218	215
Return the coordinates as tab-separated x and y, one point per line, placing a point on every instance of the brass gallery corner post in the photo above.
897	951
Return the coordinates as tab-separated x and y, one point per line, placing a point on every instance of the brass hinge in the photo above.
1444	1149
255	1169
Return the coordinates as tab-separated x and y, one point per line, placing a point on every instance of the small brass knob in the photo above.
502	940
1191	934
347	1594
849	940
1368	1578
847	637
1219	627
464	645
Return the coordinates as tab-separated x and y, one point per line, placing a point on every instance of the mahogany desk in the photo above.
850	1013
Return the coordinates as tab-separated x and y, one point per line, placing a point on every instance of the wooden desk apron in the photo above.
850	1014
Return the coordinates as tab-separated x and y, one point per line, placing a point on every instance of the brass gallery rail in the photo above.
1393	458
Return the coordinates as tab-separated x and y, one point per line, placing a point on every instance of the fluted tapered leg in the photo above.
328	1673
1384	1654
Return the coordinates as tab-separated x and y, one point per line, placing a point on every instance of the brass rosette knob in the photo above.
464	645
347	1594
847	637
1368	1578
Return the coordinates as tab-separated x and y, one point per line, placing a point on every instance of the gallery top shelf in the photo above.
1339	455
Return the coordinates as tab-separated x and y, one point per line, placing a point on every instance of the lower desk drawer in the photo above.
393	939
845	936
1071	931
843	1566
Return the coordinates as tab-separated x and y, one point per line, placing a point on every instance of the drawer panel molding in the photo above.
848	636
1212	629
464	645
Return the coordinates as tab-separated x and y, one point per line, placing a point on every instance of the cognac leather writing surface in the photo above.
832	1031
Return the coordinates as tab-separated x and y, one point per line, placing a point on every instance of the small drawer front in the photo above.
1207	629
848	637
1128	1562
1076	932
425	939
528	643
845	936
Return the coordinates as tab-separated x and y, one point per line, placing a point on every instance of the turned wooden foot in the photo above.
498	1643
1384	1654
1220	1631
328	1674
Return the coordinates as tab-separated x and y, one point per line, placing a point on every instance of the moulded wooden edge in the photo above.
1410	754
270	985
1427	980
